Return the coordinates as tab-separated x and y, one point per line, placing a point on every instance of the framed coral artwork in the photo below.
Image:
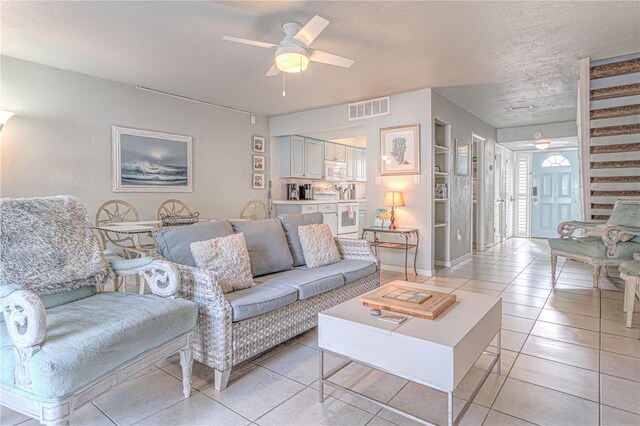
400	150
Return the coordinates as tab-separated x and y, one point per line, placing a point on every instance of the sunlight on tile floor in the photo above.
568	360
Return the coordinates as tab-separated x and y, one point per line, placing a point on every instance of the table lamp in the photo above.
393	199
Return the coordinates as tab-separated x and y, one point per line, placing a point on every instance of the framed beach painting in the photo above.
145	161
400	150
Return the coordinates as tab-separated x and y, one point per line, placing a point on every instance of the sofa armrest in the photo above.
611	235
566	229
161	276
213	338
351	249
26	321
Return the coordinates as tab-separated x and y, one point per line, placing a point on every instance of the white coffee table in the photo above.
435	353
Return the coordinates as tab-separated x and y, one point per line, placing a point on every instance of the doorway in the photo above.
554	191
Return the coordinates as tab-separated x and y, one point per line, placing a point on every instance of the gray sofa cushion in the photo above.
308	282
351	270
290	223
174	243
267	244
260	299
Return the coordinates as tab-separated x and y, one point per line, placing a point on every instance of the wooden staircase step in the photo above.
608	149
615	164
616	193
600	217
615	68
613	112
625	129
601	206
615	179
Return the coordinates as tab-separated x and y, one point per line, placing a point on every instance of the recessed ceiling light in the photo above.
522	107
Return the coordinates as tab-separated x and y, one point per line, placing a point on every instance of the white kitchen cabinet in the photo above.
301	157
335	152
360	173
313	158
362	222
331	219
351	162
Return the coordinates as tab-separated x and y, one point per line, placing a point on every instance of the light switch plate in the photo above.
416	179
377	180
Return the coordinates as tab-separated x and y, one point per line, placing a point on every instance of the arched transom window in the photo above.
556	160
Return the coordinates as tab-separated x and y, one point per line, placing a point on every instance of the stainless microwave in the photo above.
335	171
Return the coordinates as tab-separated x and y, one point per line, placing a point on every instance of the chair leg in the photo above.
221	379
186	361
596	275
554	263
629	298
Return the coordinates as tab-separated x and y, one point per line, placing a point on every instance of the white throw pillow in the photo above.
318	245
228	258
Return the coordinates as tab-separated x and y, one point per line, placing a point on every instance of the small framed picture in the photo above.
258	144
259	163
258	181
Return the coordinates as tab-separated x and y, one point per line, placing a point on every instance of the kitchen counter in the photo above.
303	202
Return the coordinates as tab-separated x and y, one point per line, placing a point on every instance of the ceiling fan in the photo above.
292	54
540	143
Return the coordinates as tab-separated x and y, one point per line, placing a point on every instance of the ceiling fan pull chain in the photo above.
284	91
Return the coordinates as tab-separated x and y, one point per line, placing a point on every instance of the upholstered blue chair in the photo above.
614	243
64	342
630	273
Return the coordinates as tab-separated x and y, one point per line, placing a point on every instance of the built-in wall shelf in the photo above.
441	166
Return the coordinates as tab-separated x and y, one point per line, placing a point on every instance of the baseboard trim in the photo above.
393	268
453	262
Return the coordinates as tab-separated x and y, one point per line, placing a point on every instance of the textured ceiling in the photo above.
485	56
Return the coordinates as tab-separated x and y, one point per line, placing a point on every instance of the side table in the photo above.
406	246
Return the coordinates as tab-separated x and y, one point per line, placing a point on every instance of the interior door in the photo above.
555	191
499	211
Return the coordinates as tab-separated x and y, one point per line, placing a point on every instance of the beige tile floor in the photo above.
568	360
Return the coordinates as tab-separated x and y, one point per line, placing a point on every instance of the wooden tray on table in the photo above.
409	300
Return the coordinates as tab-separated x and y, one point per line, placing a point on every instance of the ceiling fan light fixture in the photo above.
292	60
543	144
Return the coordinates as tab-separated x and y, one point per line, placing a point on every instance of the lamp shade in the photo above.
394	199
4	116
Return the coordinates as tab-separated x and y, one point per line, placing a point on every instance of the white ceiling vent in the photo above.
370	108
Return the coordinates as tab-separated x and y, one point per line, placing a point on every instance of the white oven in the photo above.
335	171
348	218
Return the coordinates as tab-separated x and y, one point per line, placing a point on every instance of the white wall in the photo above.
463	125
59	141
549	131
406	108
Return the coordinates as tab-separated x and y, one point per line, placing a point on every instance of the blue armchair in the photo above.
616	241
63	342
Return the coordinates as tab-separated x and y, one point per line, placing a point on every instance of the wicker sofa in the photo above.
285	301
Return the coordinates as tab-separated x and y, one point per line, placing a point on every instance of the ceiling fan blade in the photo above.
329	58
309	32
250	42
273	71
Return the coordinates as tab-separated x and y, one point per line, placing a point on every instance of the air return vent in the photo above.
370	108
